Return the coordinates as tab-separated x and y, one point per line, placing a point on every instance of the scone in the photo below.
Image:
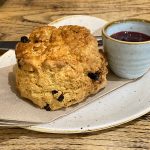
59	67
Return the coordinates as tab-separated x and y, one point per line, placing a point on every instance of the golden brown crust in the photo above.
59	59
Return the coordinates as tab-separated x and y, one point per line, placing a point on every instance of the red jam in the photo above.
130	36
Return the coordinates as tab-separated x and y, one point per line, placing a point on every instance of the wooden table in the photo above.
18	17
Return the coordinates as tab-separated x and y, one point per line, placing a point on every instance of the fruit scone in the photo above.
59	67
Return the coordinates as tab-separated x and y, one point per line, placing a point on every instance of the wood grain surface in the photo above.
18	17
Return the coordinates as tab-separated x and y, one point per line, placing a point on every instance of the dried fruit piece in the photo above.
54	92
25	39
47	108
93	76
58	95
60	98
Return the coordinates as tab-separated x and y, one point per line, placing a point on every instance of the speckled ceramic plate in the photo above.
120	106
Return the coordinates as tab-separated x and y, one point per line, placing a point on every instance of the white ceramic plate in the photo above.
120	106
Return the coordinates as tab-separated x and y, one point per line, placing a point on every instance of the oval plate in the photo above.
120	106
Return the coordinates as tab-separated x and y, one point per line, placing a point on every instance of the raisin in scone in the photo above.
59	67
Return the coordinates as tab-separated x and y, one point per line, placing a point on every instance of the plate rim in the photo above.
70	16
100	128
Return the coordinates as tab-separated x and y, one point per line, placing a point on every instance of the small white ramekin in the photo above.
127	59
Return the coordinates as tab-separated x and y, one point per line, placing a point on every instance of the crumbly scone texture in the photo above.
59	67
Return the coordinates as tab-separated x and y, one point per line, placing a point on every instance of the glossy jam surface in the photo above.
130	36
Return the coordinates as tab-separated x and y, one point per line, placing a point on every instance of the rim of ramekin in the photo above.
120	21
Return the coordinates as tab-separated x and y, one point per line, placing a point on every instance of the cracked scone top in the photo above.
59	67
